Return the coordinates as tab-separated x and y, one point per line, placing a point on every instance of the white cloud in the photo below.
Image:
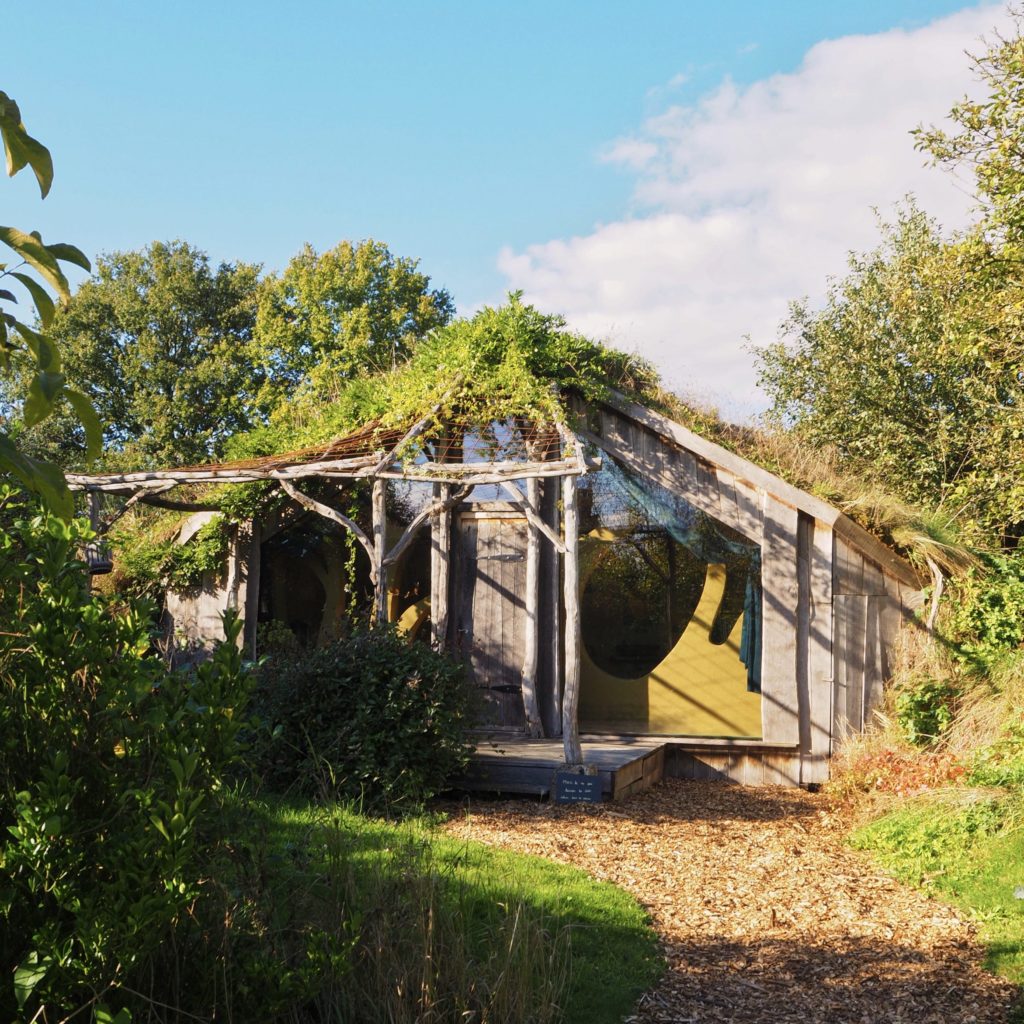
753	196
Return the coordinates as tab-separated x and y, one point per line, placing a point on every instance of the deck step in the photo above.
524	766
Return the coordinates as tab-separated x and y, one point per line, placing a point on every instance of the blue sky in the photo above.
504	145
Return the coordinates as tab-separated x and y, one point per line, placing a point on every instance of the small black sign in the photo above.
573	788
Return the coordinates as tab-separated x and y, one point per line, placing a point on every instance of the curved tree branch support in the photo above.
938	586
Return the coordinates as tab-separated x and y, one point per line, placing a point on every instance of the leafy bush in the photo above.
931	838
925	709
988	619
371	717
111	776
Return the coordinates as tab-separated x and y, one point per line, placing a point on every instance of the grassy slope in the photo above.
949	817
613	949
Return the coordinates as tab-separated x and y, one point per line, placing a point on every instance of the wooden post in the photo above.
529	678
231	583
380	572
440	564
252	589
571	597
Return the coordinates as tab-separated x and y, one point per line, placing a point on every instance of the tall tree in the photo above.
912	371
334	315
987	137
914	368
161	342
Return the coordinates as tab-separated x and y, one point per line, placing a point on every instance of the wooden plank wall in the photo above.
745	765
870	607
488	612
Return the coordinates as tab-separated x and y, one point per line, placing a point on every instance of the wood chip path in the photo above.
764	914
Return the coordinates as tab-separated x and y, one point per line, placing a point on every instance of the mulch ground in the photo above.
764	914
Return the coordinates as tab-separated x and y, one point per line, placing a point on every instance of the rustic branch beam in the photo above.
102	528
515	466
440	568
329	513
531	512
432	510
110	481
571	598
532	624
484	473
380	570
149	498
410	435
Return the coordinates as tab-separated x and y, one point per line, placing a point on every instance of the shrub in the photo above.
371	717
925	708
988	619
932	837
111	774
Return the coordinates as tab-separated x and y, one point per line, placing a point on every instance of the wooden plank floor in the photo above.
517	765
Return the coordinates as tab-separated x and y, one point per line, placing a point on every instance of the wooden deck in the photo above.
516	765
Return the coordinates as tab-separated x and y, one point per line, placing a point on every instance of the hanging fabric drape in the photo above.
707	540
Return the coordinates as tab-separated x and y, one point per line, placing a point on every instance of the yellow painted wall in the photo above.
698	690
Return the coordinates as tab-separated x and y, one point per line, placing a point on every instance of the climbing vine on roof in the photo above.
502	363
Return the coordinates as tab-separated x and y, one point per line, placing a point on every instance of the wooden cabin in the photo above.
624	581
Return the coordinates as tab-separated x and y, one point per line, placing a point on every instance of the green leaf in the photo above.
69	254
27	976
43	478
160	826
102	1015
90	422
44	304
44	390
8	296
31	249
21	149
46	353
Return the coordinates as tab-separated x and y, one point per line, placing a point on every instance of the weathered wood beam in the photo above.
410	435
532	624
102	527
511	467
330	513
485	475
352	469
434	509
532	513
380	571
148	498
226	475
231	583
440	568
571	598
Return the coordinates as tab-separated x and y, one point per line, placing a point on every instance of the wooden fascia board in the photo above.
872	548
869	545
740	467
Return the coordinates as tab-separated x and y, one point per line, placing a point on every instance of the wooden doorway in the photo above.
489	620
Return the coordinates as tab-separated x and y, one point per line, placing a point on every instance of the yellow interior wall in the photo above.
700	689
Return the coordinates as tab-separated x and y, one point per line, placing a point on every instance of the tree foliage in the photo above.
45	381
988	136
161	342
335	315
499	364
912	371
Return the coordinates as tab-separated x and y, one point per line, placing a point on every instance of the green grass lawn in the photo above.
519	928
968	850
